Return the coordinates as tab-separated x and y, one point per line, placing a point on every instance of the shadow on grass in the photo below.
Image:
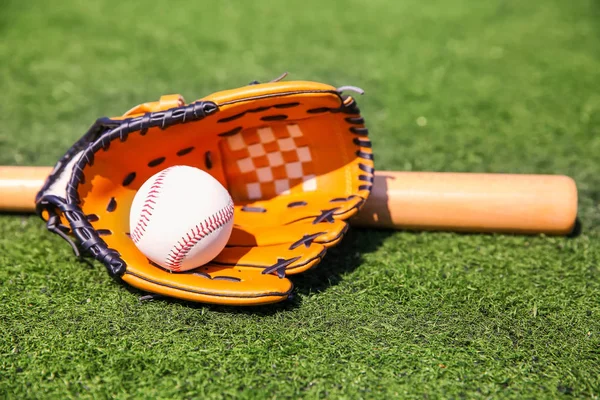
577	229
340	260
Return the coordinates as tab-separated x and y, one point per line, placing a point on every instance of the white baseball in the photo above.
181	218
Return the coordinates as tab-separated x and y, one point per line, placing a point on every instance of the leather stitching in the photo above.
147	207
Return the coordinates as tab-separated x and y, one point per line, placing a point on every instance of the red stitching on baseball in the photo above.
147	208
181	249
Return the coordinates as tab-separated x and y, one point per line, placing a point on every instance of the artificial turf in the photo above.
495	86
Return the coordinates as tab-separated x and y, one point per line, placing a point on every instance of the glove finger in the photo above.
312	208
235	276
210	284
297	234
279	259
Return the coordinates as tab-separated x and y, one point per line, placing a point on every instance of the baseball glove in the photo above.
294	156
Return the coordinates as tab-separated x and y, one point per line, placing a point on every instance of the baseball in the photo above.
181	218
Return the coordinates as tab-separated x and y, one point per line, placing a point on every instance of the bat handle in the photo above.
19	185
470	202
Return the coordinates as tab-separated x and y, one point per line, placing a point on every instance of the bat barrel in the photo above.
471	202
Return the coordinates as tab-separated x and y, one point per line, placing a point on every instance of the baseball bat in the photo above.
443	201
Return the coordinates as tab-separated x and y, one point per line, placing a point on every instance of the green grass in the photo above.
504	86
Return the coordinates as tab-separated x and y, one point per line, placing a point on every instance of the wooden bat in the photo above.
462	202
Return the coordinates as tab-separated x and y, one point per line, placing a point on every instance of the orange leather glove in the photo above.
294	156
